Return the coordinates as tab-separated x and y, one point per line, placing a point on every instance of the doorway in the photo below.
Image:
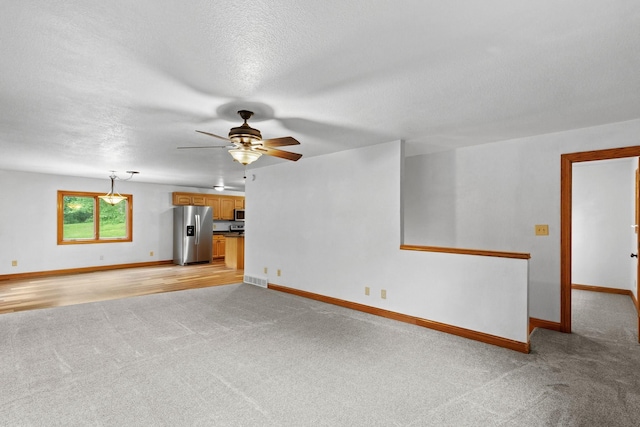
566	188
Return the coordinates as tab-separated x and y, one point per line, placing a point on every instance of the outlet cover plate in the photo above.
542	230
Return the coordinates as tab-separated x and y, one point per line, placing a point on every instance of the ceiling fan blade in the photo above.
206	146
214	135
280	142
278	153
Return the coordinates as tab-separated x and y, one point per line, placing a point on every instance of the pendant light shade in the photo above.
244	156
112	199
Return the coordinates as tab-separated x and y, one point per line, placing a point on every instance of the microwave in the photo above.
238	214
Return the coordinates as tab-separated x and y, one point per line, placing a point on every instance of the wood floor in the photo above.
60	290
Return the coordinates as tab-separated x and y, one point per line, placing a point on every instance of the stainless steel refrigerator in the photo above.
192	234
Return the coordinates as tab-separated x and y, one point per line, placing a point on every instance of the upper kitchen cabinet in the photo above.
223	206
227	205
188	199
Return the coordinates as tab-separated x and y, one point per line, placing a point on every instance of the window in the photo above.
84	218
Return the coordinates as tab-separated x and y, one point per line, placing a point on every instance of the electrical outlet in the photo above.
383	294
279	272
101	257
542	230
14	263
265	270
151	253
367	291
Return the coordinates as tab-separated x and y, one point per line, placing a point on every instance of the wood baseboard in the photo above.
591	288
616	291
32	274
556	326
522	347
545	324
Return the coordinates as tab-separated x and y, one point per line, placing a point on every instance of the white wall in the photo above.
331	224
28	223
499	192
603	212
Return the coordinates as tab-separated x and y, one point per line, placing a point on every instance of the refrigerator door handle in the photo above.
197	229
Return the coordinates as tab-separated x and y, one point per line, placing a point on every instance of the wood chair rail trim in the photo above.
462	251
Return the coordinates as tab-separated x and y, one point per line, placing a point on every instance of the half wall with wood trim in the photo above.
484	299
331	226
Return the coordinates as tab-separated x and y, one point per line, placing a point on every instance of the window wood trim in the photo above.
60	219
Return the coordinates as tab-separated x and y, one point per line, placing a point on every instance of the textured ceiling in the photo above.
89	86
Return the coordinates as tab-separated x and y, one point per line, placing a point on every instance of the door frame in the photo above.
637	225
566	186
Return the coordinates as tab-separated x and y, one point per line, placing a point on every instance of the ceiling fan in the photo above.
248	145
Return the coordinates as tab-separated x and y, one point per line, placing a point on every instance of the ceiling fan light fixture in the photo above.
249	145
244	156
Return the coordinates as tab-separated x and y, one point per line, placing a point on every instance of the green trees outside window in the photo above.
85	218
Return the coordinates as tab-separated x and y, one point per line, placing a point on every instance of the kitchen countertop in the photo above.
228	234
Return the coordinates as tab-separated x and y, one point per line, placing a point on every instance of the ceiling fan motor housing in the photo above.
244	133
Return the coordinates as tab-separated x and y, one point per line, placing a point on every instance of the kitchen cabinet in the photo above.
197	200
223	206
227	205
214	202
218	246
234	252
188	199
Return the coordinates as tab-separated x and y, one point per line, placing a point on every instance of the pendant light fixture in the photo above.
113	197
